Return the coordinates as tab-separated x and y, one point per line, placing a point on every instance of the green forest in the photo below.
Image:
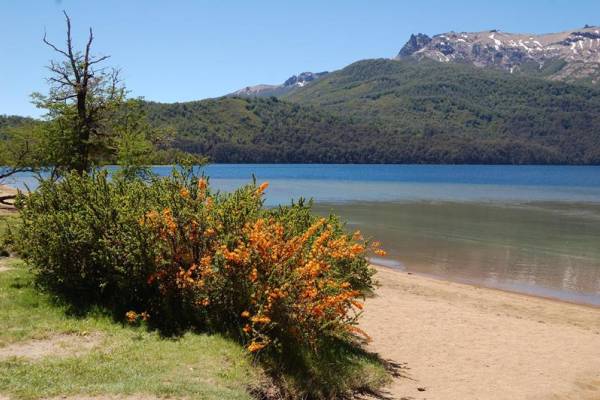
388	111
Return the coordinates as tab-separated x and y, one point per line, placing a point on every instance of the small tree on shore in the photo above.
81	99
89	120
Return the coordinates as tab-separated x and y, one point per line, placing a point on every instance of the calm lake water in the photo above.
529	229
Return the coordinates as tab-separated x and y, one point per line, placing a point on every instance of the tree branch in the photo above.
96	61
53	46
71	56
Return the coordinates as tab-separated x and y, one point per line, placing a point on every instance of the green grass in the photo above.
132	360
128	360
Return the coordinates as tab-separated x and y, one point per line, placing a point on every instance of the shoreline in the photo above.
7	191
459	341
485	287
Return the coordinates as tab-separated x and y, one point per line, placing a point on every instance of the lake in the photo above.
528	229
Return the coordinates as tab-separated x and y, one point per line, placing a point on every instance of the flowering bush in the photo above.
275	279
172	253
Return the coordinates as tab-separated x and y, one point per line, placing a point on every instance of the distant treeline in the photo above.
386	111
7	121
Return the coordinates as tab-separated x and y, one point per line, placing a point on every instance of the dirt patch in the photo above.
63	345
4	267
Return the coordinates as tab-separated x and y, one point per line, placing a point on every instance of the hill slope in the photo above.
262	130
458	113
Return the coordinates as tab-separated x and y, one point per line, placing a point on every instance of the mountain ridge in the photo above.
572	55
289	85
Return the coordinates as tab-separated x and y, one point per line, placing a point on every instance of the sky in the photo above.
181	50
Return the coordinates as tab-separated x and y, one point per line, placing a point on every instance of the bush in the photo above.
7	245
81	236
285	283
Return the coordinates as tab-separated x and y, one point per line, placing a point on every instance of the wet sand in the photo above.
454	341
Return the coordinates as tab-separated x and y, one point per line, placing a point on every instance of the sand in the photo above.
453	341
6	191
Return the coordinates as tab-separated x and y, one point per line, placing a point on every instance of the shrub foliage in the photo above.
172	252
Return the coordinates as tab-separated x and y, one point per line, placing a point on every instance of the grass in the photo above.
128	361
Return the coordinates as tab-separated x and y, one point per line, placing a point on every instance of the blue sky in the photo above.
188	50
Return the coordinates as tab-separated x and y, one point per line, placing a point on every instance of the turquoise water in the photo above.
529	229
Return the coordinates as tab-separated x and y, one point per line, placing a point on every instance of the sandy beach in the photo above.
453	341
6	191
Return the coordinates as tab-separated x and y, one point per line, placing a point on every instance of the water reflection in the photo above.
538	249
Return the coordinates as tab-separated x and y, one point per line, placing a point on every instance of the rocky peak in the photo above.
293	82
570	55
303	78
414	44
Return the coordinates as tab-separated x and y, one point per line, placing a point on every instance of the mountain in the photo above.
390	111
471	98
570	56
292	83
447	112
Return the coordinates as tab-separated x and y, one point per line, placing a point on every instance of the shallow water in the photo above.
530	229
535	249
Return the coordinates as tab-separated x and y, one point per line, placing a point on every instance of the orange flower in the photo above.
247	328
253	275
131	316
245	314
255	346
262	188
357	305
209	232
261	319
380	252
202	184
184	193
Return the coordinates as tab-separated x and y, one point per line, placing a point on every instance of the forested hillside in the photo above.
512	119
265	130
387	111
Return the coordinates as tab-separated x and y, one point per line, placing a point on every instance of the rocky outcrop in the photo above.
414	44
293	82
570	56
303	78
